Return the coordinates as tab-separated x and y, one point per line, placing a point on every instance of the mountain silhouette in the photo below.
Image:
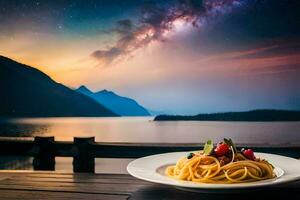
28	92
123	106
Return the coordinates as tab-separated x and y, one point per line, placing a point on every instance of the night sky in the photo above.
179	56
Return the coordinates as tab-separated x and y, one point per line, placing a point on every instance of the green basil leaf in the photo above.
208	147
230	143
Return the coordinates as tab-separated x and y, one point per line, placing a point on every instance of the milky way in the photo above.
156	22
180	56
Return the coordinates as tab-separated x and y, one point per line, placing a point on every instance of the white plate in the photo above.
151	168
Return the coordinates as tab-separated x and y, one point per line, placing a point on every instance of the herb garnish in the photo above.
230	143
208	147
190	155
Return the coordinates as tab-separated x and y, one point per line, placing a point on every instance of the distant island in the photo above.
253	115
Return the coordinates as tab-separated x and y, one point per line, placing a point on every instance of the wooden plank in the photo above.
33	185
108	188
64	175
72	178
30	195
44	156
83	178
83	160
71	183
78	180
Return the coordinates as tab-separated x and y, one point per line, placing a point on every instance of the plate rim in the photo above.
199	186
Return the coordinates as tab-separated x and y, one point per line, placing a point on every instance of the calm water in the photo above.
143	129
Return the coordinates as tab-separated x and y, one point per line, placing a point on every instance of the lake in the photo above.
144	129
140	129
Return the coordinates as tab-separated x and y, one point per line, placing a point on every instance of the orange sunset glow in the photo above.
160	52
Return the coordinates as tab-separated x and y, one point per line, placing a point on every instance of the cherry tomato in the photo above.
222	149
248	153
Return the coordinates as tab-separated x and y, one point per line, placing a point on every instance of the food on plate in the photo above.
223	164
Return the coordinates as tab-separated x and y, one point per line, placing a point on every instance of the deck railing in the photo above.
85	150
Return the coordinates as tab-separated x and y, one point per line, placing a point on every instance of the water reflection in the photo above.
15	162
143	129
140	129
21	128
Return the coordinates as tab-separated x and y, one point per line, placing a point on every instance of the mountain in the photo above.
253	115
28	92
123	106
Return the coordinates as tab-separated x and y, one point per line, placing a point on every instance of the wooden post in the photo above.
44	157
83	160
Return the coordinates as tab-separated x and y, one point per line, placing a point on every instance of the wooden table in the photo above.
28	185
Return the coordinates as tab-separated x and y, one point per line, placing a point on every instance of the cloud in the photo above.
278	49
295	67
107	56
155	24
124	26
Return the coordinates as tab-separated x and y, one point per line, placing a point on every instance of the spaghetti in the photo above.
237	168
